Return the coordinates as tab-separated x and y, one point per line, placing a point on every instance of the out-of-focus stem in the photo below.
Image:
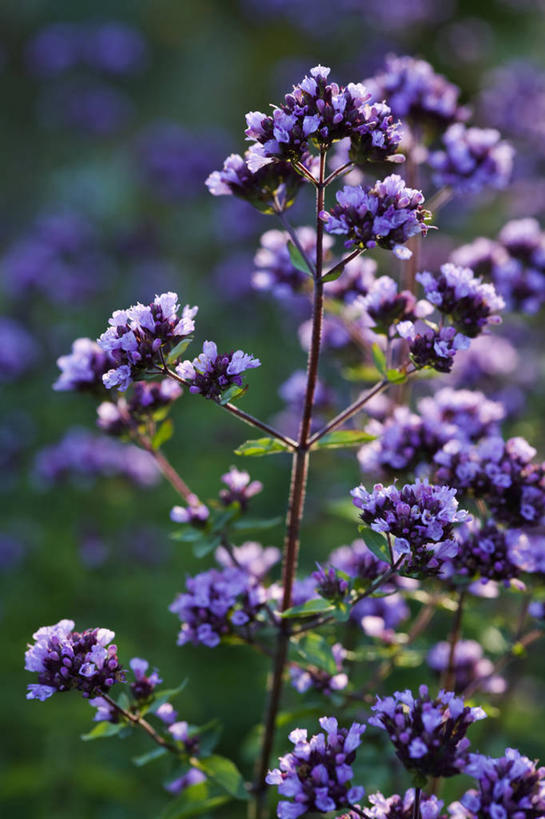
449	677
416	805
172	476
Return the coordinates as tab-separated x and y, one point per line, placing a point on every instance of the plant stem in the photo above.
340	265
295	239
342	169
449	678
296	502
349	411
244	416
136	719
416	806
168	471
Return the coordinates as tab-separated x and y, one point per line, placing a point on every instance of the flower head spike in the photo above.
401	807
210	374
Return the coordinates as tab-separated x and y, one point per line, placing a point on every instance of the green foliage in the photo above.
261	446
343	438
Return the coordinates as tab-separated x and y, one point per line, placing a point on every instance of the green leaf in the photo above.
166	695
104	729
163	434
225	773
396	376
342	438
206	545
379	358
255	524
209	736
315	650
333	275
261	446
232	394
194	801
363	372
156	753
298	260
177	351
188	534
376	543
315	606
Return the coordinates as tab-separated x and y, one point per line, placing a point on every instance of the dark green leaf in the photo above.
163	434
226	774
315	650
194	801
209	735
379	358
376	543
206	545
342	438
261	446
156	753
177	351
333	275
315	606
232	394
298	260
254	524
166	695
187	535
363	372
104	729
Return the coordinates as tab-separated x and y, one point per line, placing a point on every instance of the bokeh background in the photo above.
104	155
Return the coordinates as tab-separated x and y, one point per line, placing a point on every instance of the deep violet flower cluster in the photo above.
318	679
501	473
490	553
385	305
322	112
65	659
459	294
137	338
210	374
431	347
386	214
407	441
511	787
317	773
83	368
330	583
419	516
218	604
401	807
429	735
469	666
415	92
144	684
82	456
240	488
146	398
514	262
472	159
270	188
274	270
250	556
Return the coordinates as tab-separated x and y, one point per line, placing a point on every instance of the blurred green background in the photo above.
100	553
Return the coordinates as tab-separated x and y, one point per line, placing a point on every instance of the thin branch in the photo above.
305	172
136	719
416	805
440	199
340	171
449	678
344	262
168	471
244	416
351	410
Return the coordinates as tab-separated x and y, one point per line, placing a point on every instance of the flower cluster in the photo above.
385	305
458	293
469	666
472	159
501	473
386	215
239	488
217	604
83	368
210	374
429	347
322	112
196	514
144	684
429	735
401	807
138	338
303	679
250	556
511	786
330	583
65	659
415	92
317	773
420	516
489	553
146	399
357	280
269	188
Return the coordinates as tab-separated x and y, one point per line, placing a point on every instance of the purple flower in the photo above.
489	553
415	92
83	368
104	711
511	787
218	604
386	215
138	337
458	293
239	488
433	348
472	160
144	684
357	279
320	112
428	735
196	514
65	660
401	807
330	583
250	556
18	349
385	305
210	374
320	679
147	398
469	666
194	776
88	106
269	188
420	516
317	773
